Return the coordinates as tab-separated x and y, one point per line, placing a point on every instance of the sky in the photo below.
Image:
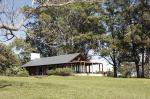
17	5
21	3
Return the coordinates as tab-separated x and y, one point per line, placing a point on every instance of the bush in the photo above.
126	69
51	72
61	72
16	71
12	71
99	72
127	74
23	73
110	74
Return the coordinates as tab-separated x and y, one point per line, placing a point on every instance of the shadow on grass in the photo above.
4	84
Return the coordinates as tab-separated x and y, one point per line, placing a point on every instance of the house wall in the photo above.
106	65
37	70
32	70
78	67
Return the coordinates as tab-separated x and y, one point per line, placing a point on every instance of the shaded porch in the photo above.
85	66
76	66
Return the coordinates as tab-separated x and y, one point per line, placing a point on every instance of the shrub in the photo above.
23	73
8	72
99	72
61	72
126	69
16	71
127	74
12	71
51	72
110	74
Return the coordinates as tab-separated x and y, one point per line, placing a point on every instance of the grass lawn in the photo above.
54	87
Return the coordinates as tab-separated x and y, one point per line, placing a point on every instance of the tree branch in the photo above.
108	61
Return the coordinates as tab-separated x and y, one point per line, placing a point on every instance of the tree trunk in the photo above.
136	60
137	70
115	71
142	63
114	64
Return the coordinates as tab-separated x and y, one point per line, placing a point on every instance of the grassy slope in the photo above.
73	88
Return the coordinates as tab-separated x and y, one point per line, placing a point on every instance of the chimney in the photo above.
34	56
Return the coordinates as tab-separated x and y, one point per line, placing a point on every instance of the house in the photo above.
77	62
96	57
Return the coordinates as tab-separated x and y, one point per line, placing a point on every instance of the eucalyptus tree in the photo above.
144	20
138	33
65	29
113	39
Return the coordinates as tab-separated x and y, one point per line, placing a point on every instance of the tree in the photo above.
138	35
66	29
114	34
7	58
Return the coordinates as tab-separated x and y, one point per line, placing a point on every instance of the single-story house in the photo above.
77	62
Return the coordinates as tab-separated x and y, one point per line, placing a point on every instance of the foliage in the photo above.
23	73
127	33
127	69
17	71
112	40
137	34
65	29
51	72
22	48
110	74
7	58
61	72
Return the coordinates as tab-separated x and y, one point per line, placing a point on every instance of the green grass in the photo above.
54	87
